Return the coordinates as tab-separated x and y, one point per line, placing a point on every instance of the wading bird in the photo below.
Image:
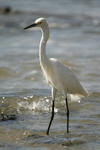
57	75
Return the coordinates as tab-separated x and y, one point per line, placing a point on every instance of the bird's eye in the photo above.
38	23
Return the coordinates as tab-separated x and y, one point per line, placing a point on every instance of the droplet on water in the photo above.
31	96
47	100
25	98
55	110
79	101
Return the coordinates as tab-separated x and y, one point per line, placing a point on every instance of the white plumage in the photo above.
57	75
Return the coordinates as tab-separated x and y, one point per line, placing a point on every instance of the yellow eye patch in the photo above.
38	23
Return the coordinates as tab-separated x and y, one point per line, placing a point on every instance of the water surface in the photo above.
25	100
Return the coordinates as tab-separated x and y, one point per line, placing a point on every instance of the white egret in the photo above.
57	75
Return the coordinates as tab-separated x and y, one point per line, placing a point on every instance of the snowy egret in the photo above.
57	75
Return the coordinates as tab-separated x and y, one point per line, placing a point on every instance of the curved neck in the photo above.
42	47
45	33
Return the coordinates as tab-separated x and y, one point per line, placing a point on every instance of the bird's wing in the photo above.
67	78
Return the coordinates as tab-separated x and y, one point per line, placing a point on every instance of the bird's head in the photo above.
41	22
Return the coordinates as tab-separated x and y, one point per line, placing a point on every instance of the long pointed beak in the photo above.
30	26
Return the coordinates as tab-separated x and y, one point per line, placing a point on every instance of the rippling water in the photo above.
25	100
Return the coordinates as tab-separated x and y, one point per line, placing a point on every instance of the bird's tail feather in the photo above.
85	93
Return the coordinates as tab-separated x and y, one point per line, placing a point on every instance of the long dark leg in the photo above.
52	116
67	115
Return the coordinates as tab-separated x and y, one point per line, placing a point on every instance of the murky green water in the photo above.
25	100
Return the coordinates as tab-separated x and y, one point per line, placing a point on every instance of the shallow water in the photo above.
25	100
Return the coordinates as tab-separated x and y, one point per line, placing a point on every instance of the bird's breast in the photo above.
50	76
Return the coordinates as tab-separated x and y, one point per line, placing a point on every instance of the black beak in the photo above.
30	26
